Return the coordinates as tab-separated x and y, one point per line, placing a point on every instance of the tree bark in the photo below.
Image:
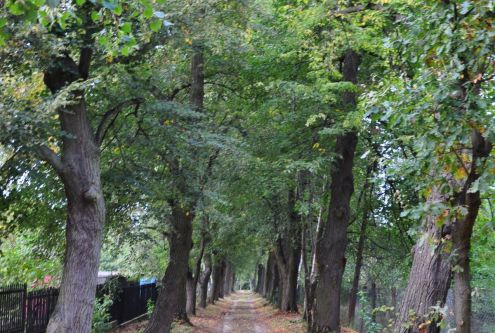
260	282
190	293
360	249
173	282
191	308
79	170
288	256
373	299
462	231
221	282
331	247
205	279
429	279
216	280
430	275
313	277
226	279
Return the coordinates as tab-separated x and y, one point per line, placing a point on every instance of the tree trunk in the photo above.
221	282
462	282
373	300
181	312
393	296
205	279
194	283
305	266
331	247
79	170
462	231
429	279
288	256
173	282
259	282
360	247
226	279
289	287
357	269
216	280
313	277
190	293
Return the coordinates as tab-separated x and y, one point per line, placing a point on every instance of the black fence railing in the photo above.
28	312
132	301
39	306
12	300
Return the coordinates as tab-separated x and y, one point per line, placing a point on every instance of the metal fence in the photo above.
25	312
12	300
29	312
39	306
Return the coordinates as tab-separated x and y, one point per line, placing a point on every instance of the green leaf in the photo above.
118	10
126	50
126	27
95	16
148	12
3	22
15	9
156	25
38	3
80	2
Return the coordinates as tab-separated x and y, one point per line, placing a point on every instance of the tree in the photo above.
64	57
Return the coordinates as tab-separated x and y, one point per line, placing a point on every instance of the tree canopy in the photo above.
307	149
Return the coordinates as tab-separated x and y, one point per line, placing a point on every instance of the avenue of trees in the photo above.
308	148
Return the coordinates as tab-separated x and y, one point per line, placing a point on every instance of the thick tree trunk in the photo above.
331	247
227	278
205	279
289	287
191	294
429	279
181	312
221	282
273	279
216	280
266	278
260	282
288	256
79	170
173	281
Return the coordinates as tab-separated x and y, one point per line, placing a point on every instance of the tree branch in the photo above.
51	158
110	116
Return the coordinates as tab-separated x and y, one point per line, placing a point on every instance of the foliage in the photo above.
101	315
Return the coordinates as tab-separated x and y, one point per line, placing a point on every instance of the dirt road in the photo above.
243	315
